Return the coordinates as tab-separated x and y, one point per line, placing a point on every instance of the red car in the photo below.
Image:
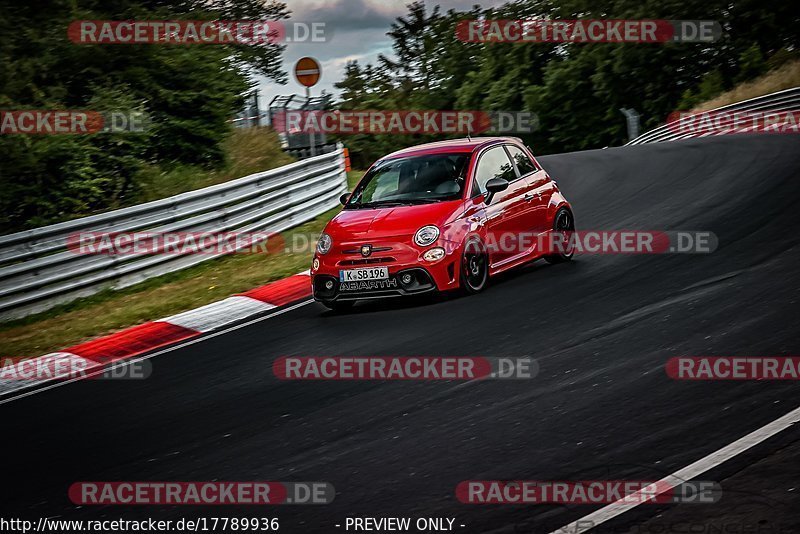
439	216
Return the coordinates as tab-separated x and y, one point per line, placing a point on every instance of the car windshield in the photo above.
412	180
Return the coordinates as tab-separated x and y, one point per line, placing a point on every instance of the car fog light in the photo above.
406	279
434	254
329	284
315	264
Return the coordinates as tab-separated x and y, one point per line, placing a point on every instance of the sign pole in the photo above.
307	71
311	133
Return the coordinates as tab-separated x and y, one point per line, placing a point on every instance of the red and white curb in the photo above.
137	340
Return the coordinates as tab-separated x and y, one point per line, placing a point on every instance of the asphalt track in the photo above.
601	329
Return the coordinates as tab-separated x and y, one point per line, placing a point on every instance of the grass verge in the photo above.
110	311
784	77
249	151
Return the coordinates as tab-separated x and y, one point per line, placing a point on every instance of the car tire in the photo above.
474	268
562	222
338	305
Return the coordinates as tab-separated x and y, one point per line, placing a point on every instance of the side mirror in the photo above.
495	185
343	199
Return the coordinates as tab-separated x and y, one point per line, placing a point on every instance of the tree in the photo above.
576	89
189	93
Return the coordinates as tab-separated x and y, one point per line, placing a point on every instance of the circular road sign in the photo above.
307	71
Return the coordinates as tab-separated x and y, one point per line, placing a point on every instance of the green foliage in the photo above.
751	64
711	85
575	89
187	92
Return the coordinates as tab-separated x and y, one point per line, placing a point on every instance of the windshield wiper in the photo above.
377	204
398	202
393	203
422	200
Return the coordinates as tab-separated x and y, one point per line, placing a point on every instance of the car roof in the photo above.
450	145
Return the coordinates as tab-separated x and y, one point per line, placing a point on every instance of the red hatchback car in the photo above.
437	217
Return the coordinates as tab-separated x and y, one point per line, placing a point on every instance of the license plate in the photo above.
357	275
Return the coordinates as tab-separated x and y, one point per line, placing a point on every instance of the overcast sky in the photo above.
358	30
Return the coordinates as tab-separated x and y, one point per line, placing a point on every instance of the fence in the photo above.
38	271
780	101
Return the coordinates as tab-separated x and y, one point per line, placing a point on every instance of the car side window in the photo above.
524	163
494	163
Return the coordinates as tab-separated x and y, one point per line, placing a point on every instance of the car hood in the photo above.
399	221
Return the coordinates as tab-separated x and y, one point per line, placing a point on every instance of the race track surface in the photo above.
600	328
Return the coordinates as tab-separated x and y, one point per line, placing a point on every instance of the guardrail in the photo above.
38	271
786	100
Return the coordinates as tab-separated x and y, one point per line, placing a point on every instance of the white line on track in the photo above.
679	477
179	345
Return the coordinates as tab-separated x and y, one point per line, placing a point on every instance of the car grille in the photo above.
358	250
367	261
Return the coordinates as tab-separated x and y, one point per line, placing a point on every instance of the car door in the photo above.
505	211
538	194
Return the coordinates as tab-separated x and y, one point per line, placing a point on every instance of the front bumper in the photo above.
421	282
401	258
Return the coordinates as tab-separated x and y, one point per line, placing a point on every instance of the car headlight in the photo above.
324	244
315	264
434	254
426	235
